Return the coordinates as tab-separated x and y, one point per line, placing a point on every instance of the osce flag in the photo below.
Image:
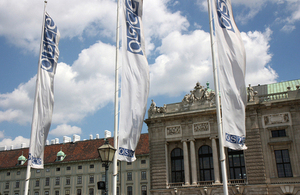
232	66
44	97
135	80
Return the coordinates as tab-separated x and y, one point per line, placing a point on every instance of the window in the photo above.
38	170
91	166
79	180
68	180
68	168
58	169
236	164
37	183
118	192
67	192
7	185
17	184
56	192
129	190
144	190
143	175
91	178
46	192
129	163
91	191
278	133
78	191
80	167
177	167
36	193
206	163
283	163
47	170
129	176
143	161
47	181
57	181
18	172
8	173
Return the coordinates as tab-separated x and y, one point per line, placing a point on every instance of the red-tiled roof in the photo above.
81	150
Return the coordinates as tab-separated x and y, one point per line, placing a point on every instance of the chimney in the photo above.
107	134
66	139
23	145
91	136
76	138
97	136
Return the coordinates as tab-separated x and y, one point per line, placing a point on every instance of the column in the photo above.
193	163
216	160
186	164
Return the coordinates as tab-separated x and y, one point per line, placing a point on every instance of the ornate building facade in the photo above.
184	149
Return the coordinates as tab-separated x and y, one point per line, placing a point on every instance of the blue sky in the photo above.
177	47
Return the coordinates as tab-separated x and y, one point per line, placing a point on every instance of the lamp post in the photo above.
106	152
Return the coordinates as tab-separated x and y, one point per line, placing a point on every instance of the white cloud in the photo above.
1	134
65	129
16	143
79	90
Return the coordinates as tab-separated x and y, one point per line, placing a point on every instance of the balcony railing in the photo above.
273	96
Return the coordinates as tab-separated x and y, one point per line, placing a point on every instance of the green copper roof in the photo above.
60	153
282	86
22	158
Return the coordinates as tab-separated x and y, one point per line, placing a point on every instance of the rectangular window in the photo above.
80	167
38	170
91	191
79	180
8	173
129	176
47	181
78	191
237	168
36	193
283	163
17	184
91	166
91	178
58	169
143	175
143	161
56	192
68	168
57	180
37	183
278	133
118	193
7	185
18	172
144	190
67	192
47	170
129	163
46	192
68	181
129	190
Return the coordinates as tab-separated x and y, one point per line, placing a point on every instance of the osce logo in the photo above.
35	160
126	152
223	15
133	27
235	139
50	52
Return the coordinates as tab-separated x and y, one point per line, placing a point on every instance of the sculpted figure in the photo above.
250	94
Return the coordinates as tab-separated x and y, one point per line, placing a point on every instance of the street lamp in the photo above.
107	153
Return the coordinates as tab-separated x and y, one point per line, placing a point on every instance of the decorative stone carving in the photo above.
154	109
273	119
199	94
201	127
173	130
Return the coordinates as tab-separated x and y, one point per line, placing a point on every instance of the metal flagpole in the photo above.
35	100
218	108
115	168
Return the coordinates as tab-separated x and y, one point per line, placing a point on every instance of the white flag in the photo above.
135	80
44	97
232	67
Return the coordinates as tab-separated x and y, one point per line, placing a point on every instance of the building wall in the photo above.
190	125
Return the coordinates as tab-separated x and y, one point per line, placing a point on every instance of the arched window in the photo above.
236	164
206	163
177	166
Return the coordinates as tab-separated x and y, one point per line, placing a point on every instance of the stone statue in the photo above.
250	94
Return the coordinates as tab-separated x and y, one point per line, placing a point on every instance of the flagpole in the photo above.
115	167
218	108
28	173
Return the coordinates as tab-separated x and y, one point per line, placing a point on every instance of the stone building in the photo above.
74	168
184	145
